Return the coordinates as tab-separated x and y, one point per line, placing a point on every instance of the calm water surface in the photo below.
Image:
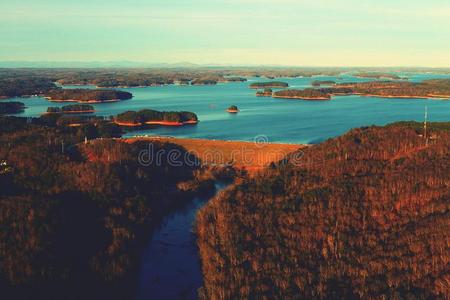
291	121
170	266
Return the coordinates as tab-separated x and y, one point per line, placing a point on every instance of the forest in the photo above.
317	83
14	107
362	216
72	108
74	214
377	75
306	94
24	86
433	88
271	84
86	95
147	116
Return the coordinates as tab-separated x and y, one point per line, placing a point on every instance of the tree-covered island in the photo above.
71	109
270	84
87	95
154	117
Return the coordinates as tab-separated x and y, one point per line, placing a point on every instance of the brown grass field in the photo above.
250	156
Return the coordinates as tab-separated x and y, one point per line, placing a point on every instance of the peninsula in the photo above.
71	109
306	94
323	82
87	95
270	84
11	107
264	93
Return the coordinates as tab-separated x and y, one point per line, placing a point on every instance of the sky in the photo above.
233	32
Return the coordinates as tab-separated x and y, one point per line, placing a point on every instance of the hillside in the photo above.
362	216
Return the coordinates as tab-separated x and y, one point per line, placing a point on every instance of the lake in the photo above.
286	121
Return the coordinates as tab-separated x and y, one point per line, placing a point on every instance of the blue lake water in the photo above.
170	266
291	121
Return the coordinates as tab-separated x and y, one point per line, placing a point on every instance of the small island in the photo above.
87	95
11	107
235	79
154	117
264	93
71	109
306	94
233	109
323	82
270	84
204	81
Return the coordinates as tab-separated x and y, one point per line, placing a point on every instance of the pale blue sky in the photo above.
241	32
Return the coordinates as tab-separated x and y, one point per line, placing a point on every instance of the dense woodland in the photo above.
270	84
434	88
147	115
14	107
24	86
86	95
323	82
378	75
264	93
72	214
306	94
428	88
362	216
72	108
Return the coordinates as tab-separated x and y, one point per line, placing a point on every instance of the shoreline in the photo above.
83	101
70	112
302	98
162	123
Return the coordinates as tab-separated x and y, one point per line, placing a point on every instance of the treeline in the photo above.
72	108
87	95
147	115
72	214
11	107
205	81
306	94
378	75
317	83
435	88
362	216
271	84
18	87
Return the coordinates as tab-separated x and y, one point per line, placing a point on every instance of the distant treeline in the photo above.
87	95
306	94
426	89
147	115
435	88
271	84
71	108
18	87
323	82
377	75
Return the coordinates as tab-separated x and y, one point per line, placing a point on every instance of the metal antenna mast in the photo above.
425	126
